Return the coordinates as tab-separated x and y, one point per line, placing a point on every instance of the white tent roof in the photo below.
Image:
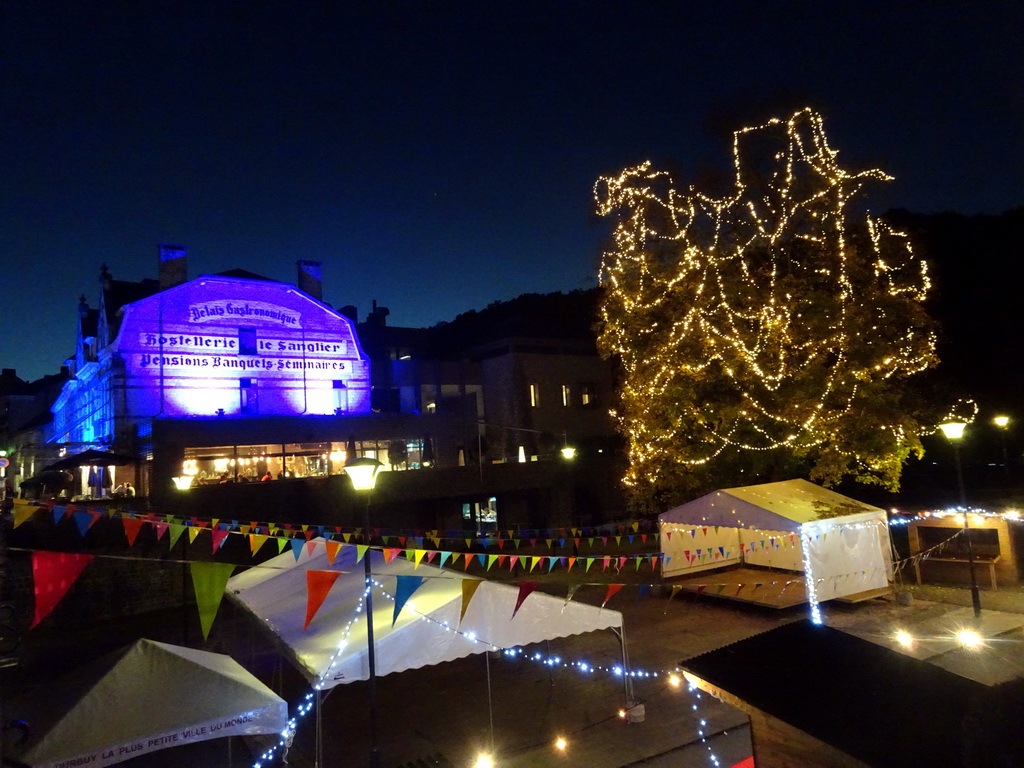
149	697
781	506
424	633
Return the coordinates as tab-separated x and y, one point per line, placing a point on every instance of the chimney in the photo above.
310	280
173	266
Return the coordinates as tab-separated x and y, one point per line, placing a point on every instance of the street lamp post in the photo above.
1003	422
363	472
954	432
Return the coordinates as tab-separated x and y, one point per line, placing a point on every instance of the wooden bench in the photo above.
978	562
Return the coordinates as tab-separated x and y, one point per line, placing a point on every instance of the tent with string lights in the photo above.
147	697
447	616
841	545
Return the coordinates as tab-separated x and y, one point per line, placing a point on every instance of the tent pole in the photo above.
627	681
490	704
319	732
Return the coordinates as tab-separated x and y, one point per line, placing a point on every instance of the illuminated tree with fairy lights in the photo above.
765	332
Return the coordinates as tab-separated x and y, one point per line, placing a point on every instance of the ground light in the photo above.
969	639
904	638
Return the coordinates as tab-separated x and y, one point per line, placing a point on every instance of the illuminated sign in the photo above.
242	310
243	347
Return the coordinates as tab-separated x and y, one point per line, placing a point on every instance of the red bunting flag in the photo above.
526	588
318	584
390	553
132	526
53	574
612	589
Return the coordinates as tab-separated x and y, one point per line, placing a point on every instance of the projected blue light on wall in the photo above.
240	348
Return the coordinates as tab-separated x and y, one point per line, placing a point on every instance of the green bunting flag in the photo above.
209	581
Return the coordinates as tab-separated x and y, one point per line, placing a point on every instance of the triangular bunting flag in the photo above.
296	547
403	591
318	584
612	590
53	574
132	526
390	554
333	548
256	540
193	531
209	581
176	531
361	551
469	588
525	589
218	539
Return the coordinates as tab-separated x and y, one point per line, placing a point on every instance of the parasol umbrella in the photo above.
93	458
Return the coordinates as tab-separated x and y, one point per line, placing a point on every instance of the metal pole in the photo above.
975	597
490	704
371	659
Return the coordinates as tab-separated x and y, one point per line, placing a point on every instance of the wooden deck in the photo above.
770	589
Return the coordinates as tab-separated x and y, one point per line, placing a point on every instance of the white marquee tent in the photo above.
149	697
425	631
777	525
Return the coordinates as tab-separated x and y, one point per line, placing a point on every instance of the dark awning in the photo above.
93	458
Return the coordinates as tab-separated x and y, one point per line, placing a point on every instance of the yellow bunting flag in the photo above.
193	531
469	588
417	555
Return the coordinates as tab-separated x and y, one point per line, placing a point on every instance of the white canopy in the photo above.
425	632
149	697
765	525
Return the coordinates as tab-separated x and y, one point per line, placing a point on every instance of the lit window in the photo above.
587	394
566	395
534	396
340	397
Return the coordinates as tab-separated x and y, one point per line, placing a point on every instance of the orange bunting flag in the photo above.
467	559
132	526
53	574
256	540
469	588
333	548
526	588
612	590
318	584
390	554
572	562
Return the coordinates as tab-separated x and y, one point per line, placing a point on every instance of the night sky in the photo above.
438	156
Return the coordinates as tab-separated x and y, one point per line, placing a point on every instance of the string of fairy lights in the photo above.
761	319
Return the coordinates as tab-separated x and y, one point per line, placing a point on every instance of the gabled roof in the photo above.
244	274
873	703
785	505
